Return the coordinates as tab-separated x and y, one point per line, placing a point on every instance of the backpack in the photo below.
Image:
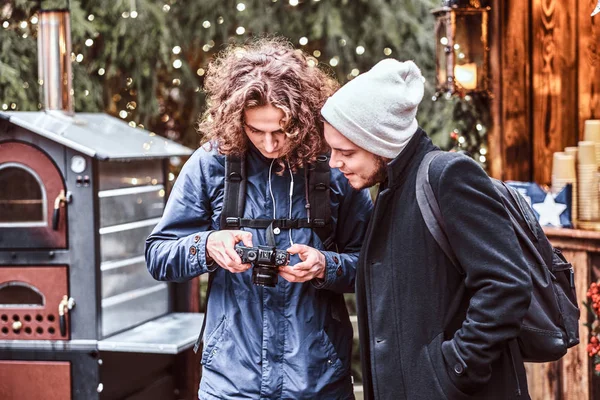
551	324
318	203
318	207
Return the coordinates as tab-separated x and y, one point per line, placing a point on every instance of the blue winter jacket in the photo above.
292	341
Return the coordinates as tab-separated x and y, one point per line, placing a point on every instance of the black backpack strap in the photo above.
319	181
200	341
430	209
234	197
281	223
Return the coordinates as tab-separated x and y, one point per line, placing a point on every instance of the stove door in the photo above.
32	202
49	380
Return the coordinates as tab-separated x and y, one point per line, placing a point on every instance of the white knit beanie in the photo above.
376	110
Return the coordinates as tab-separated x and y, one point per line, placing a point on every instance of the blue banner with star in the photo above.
551	210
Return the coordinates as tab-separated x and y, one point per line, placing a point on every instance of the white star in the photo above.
549	211
597	10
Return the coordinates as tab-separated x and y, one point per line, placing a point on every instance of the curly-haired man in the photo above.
292	340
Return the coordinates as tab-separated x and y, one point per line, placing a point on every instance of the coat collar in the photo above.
414	152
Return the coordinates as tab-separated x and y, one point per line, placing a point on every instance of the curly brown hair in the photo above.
262	72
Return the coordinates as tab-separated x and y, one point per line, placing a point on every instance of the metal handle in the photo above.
66	304
58	203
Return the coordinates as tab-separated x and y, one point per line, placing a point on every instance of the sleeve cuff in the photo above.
333	270
199	245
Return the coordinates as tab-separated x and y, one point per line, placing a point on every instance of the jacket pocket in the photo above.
324	360
440	369
211	345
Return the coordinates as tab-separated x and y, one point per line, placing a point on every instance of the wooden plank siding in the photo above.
554	67
545	82
510	77
588	63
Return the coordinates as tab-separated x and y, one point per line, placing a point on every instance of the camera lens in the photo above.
252	255
264	276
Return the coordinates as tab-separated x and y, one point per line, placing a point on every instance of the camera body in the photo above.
266	260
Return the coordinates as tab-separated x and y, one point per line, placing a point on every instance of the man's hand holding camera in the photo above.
312	265
220	248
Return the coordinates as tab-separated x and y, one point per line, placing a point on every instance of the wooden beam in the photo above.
494	133
554	58
511	110
588	64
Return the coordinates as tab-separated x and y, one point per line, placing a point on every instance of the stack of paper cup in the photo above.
563	173
591	133
587	179
574	194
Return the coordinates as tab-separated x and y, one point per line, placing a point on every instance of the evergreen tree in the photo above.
144	60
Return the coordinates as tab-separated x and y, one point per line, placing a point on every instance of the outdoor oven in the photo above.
80	316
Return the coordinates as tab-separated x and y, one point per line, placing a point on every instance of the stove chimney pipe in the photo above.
54	60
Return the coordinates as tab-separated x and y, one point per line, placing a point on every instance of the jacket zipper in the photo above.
513	343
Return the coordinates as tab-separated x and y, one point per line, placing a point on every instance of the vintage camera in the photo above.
265	260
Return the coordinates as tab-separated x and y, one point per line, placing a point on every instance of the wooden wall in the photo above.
545	75
545	81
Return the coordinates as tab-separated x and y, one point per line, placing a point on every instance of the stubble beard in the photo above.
379	174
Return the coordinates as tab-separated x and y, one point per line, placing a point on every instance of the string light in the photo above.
464	139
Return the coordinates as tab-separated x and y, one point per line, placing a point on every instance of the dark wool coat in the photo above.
426	332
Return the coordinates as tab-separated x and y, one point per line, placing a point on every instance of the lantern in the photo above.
461	31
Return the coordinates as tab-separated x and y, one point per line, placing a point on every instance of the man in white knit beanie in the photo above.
427	330
376	111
